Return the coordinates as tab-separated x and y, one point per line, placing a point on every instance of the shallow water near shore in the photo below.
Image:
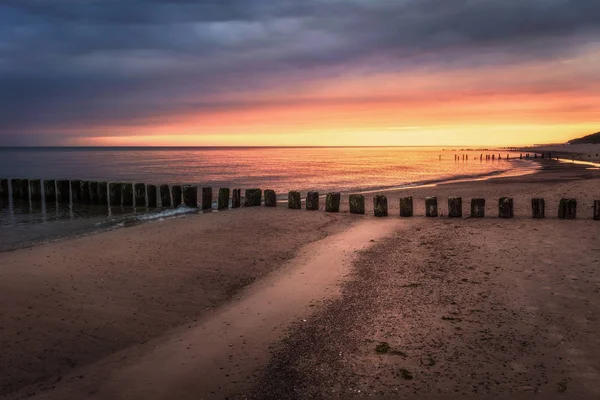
24	222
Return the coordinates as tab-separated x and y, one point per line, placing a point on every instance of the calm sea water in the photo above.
281	169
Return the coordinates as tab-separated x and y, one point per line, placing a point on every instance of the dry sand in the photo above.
483	307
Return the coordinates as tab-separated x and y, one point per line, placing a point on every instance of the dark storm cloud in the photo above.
82	62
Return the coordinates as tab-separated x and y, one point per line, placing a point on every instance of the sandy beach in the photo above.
276	303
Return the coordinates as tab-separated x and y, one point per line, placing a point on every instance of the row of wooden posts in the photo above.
122	194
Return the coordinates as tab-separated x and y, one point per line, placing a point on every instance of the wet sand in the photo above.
482	307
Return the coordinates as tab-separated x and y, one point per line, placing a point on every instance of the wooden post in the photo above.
24	183
312	201
140	195
127	189
538	208
16	188
380	207
505	207
597	210
62	191
177	193
357	204
431	207
477	208
207	198
223	203
294	200
190	195
115	194
236	198
165	196
36	189
94	192
85	192
332	202
455	207
50	191
151	193
3	188
102	193
75	192
252	197
406	206
567	209
270	198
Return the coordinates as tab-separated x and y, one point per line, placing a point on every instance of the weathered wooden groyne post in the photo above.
505	207
357	204
207	198
312	201
94	192
455	207
567	209
85	192
3	188
127	190
252	197
431	207
477	208
62	191
152	199
223	201
380	206
190	195
115	190
236	198
332	202
270	198
36	189
177	194
597	210
76	192
538	208
140	194
165	196
294	200
406	206
102	193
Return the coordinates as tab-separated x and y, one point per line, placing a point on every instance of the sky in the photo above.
298	72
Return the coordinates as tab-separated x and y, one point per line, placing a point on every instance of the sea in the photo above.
344	169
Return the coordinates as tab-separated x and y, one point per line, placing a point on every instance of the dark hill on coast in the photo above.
594	138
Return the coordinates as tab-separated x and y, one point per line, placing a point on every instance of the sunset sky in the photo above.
298	72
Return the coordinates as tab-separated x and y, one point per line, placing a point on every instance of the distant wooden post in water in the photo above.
36	189
127	189
332	202
294	200
597	210
455	207
3	188
270	198
50	191
357	204
177	192
312	201
505	207
252	197
76	192
102	193
431	207
94	187
140	195
85	192
380	206
62	191
165	196
115	190
538	208
152	199
477	208
236	198
406	206
223	201
190	195
207	198
567	209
